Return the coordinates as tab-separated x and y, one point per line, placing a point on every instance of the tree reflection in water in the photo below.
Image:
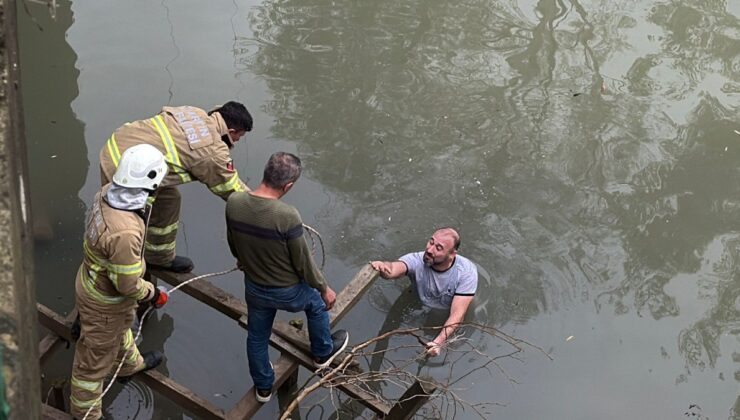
587	151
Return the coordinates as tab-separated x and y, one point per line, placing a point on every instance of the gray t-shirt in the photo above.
436	289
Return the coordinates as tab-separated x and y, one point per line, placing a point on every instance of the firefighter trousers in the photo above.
161	235
105	339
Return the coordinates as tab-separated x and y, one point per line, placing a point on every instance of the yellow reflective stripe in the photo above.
125	269
150	200
84	404
113	277
233	184
88	283
115	154
160	247
141	293
98	264
172	157
128	339
90	254
132	353
91	386
161	231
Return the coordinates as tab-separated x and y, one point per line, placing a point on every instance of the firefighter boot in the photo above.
178	265
152	359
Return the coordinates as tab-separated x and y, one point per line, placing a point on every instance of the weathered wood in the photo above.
368	399
54	322
57	396
285	338
285	368
49	343
351	294
20	362
412	400
50	413
180	395
205	292
155	380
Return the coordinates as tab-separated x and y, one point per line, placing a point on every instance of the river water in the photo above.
588	152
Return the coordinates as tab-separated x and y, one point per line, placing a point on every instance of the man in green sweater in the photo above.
266	237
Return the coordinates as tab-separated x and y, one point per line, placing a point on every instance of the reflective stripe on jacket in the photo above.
191	141
113	264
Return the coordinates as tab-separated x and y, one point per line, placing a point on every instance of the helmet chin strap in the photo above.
123	198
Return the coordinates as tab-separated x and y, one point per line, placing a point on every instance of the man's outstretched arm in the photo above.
389	269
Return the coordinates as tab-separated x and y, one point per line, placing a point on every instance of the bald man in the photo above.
442	278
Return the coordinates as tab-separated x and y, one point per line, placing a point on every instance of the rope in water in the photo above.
311	232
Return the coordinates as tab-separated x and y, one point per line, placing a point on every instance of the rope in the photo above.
311	232
138	333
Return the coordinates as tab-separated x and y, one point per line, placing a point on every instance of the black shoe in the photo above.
152	359
263	395
178	265
339	339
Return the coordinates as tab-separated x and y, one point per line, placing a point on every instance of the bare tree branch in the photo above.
396	373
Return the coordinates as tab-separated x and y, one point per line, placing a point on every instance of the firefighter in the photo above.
196	146
109	284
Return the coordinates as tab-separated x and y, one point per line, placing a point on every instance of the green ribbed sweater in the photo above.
266	236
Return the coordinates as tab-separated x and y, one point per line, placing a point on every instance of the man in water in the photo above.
442	278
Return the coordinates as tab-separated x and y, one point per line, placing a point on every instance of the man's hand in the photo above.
383	267
329	298
433	349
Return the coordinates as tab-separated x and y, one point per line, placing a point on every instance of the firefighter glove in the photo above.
160	297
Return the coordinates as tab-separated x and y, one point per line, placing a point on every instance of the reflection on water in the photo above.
587	151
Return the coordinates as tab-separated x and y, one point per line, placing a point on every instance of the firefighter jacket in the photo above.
191	142
110	274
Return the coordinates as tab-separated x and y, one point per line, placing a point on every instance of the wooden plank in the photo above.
284	337
158	382
54	322
180	395
366	398
205	292
48	344
50	413
351	294
285	367
412	400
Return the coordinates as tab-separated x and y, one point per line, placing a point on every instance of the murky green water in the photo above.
589	153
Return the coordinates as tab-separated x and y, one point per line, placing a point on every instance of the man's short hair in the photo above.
235	115
452	232
282	168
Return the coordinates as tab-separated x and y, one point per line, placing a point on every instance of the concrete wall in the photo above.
18	321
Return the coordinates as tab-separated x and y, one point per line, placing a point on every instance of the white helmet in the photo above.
141	166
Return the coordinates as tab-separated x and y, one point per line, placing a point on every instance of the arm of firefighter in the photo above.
125	267
218	173
300	256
